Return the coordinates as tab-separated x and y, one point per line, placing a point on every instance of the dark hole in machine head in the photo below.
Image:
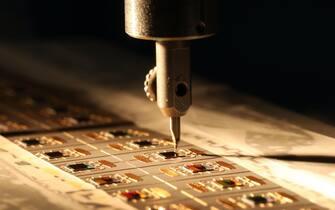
181	89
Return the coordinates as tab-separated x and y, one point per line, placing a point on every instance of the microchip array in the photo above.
133	164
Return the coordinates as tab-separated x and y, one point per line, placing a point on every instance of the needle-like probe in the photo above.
175	131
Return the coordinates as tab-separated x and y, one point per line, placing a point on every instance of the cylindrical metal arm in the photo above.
165	20
173	78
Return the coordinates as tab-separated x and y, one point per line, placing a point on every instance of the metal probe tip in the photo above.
175	131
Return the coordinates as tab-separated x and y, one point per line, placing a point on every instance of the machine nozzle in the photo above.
175	131
169	83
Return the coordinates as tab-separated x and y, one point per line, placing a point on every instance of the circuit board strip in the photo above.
133	164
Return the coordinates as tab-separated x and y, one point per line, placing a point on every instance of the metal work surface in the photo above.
106	162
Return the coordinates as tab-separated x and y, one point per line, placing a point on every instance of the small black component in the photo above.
31	142
106	180
132	195
82	119
61	109
196	168
80	167
169	155
54	154
119	133
257	200
143	143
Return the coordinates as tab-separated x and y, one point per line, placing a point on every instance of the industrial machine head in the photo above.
170	23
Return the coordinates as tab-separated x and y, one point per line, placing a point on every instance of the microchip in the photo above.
126	133
143	143
196	168
119	133
106	180
80	167
133	195
268	199
257	200
169	155
227	183
55	154
31	142
83	119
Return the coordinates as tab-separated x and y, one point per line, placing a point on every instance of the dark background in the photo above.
280	50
